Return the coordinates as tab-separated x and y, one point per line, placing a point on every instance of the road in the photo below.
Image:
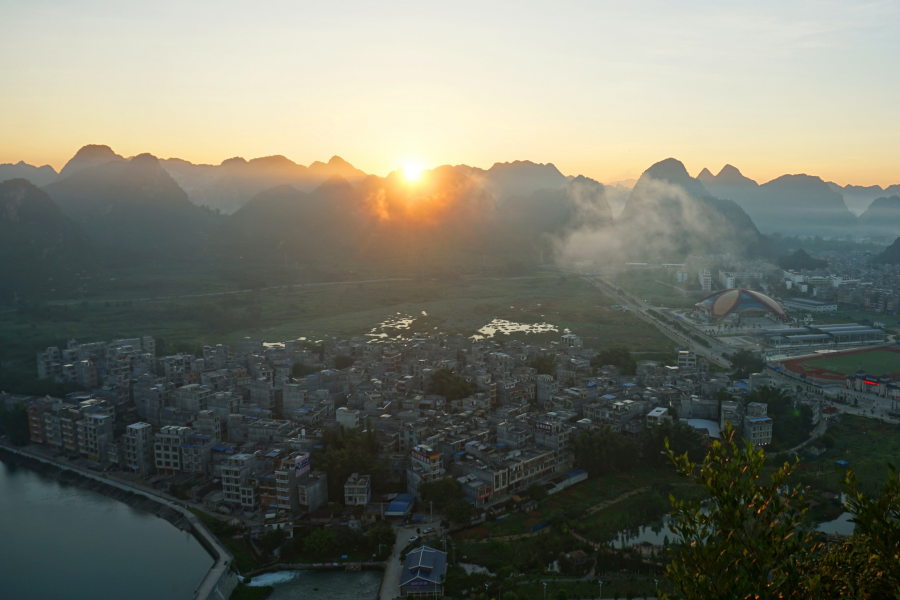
869	405
639	308
390	585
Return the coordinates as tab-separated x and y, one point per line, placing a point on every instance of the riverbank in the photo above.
218	582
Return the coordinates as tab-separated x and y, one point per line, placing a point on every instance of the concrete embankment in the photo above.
368	566
219	581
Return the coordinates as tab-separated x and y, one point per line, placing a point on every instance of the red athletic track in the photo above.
800	366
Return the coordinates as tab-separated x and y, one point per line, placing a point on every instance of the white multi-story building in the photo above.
190	398
347	418
210	424
236	486
167	447
358	490
687	359
95	433
135	449
757	424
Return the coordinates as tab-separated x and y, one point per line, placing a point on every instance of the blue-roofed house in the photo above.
400	506
423	573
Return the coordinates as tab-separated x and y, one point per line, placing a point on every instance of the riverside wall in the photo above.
219	581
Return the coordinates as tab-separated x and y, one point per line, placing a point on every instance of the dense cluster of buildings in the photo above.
241	421
849	283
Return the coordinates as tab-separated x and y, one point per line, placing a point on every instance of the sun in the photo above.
412	171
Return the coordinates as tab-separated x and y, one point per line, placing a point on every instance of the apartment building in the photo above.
237	487
358	490
167	448
425	466
312	491
134	450
757	424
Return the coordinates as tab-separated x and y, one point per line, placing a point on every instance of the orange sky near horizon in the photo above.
603	90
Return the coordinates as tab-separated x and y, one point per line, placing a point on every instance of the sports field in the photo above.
876	362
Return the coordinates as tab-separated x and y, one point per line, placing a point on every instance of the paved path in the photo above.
390	585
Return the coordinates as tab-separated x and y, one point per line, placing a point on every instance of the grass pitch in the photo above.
876	363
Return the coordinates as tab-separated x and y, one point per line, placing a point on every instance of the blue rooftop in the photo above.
400	506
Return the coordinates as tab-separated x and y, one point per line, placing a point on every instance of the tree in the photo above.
302	370
15	424
790	426
618	356
459	511
537	491
271	540
451	386
441	492
603	451
678	436
320	541
747	542
347	452
748	534
342	361
746	362
382	535
544	364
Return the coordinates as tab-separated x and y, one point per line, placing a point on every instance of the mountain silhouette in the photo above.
89	156
890	255
41	247
882	216
671	214
517	179
135	205
790	203
37	175
230	185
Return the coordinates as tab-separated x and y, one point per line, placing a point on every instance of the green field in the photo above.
658	287
869	445
342	309
879	362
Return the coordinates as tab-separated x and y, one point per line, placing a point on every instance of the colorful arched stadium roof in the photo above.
736	301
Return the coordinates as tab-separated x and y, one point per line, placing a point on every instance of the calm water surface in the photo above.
60	542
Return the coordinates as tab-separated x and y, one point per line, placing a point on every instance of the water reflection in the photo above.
507	327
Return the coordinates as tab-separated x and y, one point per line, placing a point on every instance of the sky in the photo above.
603	89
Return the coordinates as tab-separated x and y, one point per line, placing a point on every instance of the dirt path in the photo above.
590	511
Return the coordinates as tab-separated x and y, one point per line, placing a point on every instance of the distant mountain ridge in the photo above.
36	175
670	213
804	202
41	247
134	205
882	215
230	185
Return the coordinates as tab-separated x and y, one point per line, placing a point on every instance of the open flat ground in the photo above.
881	361
339	309
869	445
659	287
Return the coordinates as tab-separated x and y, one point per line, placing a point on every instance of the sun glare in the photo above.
412	171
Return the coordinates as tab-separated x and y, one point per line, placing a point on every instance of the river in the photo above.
321	585
58	541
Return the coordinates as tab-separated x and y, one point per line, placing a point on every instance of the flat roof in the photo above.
808	302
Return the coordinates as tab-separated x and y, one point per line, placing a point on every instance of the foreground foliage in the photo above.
748	542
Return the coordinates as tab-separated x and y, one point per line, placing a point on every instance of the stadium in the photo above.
872	369
734	304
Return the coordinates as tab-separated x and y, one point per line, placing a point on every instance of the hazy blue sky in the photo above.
599	88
